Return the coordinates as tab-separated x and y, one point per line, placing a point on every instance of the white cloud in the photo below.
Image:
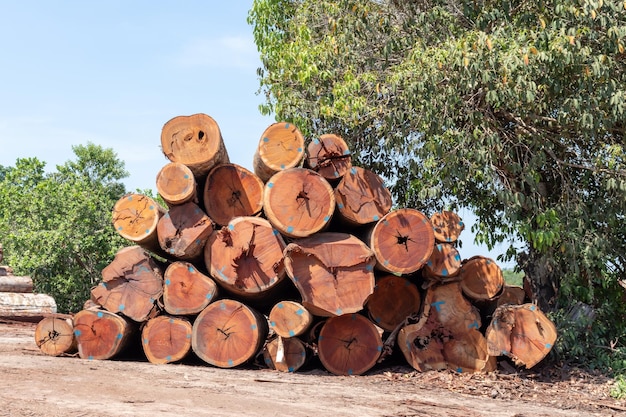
234	52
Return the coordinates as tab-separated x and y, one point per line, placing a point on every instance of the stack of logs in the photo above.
303	257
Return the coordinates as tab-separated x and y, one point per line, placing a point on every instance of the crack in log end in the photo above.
348	343
539	327
235	199
226	237
403	240
201	136
225	332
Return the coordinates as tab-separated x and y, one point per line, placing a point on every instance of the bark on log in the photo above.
183	232
329	156
135	217
393	300
443	265
246	257
54	335
232	191
481	278
298	202
187	291
281	147
447	226
285	354
228	333
176	184
132	283
101	334
26	306
521	332
195	141
349	344
12	283
289	319
332	271
402	241
362	197
166	339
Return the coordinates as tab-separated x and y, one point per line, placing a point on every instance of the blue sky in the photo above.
114	72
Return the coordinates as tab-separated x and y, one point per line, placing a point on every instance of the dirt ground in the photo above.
33	384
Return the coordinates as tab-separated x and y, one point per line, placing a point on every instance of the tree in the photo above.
513	109
56	227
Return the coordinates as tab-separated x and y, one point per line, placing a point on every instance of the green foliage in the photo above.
618	390
56	227
512	277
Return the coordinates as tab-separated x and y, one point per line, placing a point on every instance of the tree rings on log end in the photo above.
362	197
289	319
447	226
54	336
101	334
166	339
176	184
285	354
393	300
183	231
135	217
444	263
481	278
187	290
329	156
281	147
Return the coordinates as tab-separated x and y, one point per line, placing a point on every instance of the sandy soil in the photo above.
33	384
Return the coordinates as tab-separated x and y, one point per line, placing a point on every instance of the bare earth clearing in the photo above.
33	384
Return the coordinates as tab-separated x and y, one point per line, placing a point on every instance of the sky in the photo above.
114	72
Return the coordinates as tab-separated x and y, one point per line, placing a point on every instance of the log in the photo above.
232	191
443	265
54	335
421	344
402	241
195	141
281	147
183	232
285	354
246	257
186	290
512	294
349	344
362	197
5	271
449	306
329	156
132	283
333	272
481	278
228	333
176	184
393	300
467	352
26	306
12	283
166	339
135	217
101	334
289	319
447	226
298	202
521	332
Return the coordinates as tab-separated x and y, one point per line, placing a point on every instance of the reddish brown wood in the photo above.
176	184
166	339
329	156
467	352
481	278
362	197
285	354
281	147
135	217
444	263
447	226
289	319
422	343
512	294
393	300
54	335
187	290
101	334
183	231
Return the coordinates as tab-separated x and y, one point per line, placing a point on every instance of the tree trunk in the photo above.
232	191
349	344
450	307
362	197
195	141
12	283
447	226
289	319
329	156
183	231
176	184
298	202
187	291
132	283
135	217
54	335
421	344
285	354
481	278
166	339
332	271
512	294
402	241
467	352
228	333
393	300
443	265
281	147
101	334
542	277
26	306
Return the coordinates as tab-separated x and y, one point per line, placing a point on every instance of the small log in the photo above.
329	156
349	344
195	141
402	241
298	202
422	343
289	319
26	306
281	147
451	309
101	334
447	226
467	352
285	354
444	263
362	197
481	278
187	291
183	231
132	283
176	184
228	333
246	257
332	271
521	332
166	339
394	299
54	335
135	217
12	283
512	294
231	191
